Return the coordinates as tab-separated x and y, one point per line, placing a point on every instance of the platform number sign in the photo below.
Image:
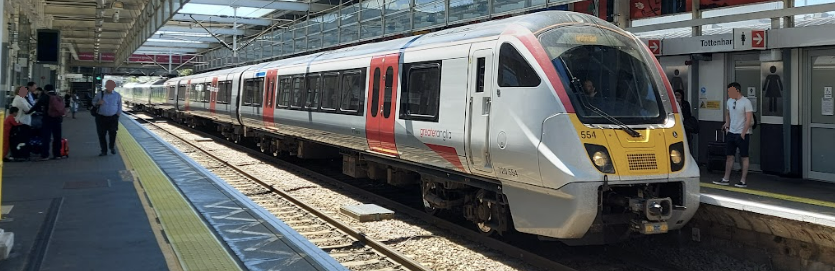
654	46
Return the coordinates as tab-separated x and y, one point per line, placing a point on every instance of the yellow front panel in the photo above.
634	156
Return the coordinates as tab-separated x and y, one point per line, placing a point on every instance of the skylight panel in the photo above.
224	10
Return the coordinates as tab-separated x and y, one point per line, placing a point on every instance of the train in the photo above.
554	123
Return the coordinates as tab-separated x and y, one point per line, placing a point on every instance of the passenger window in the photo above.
297	97
387	98
284	92
352	91
313	85
181	93
171	92
375	93
330	91
514	71
258	92
421	91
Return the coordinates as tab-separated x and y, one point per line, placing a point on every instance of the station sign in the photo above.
749	39
654	46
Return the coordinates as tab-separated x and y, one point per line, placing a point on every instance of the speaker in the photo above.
49	46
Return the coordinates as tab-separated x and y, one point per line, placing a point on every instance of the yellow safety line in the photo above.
771	195
195	245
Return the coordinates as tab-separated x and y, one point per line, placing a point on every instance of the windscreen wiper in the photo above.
575	83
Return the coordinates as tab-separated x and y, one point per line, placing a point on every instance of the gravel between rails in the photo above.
426	244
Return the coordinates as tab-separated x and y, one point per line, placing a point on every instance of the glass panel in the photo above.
387	93
301	45
330	38
397	22
393	6
287	48
500	6
314	41
371	29
430	14
297	98
375	93
608	73
330	91
467	9
823	68
348	33
349	14
330	21
313	92
371	9
823	149
352	89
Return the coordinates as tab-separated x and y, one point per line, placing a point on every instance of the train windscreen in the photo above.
606	75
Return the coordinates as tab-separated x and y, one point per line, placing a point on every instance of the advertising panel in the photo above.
772	88
650	8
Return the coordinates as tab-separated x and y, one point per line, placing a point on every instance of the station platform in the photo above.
148	207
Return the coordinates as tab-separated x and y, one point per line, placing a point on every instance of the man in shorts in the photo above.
737	127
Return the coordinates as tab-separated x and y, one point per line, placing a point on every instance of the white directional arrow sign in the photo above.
654	46
759	39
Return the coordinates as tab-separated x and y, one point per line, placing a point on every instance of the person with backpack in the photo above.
52	107
107	109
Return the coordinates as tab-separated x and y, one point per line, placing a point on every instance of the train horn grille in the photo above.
642	161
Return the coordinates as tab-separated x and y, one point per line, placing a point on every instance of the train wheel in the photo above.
485	214
426	188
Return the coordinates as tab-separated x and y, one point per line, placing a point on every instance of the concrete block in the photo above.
367	212
6	243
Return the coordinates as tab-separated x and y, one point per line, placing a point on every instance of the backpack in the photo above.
56	106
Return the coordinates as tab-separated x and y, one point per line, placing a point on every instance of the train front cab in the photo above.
614	162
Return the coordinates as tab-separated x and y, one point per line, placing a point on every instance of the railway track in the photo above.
287	208
348	246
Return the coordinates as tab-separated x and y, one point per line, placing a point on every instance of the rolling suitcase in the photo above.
65	148
716	152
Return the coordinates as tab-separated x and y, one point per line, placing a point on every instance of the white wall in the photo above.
713	78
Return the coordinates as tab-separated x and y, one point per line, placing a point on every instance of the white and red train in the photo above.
556	124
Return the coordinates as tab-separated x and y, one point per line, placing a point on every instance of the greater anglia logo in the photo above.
445	134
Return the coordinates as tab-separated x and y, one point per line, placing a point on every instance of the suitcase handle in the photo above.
720	134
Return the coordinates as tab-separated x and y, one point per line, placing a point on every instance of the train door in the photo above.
382	97
269	98
480	92
213	96
187	97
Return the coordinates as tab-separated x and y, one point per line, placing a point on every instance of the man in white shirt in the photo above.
738	119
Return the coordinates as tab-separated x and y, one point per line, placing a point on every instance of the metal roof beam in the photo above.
176	39
267	4
218	19
164	50
219	31
152	17
193	45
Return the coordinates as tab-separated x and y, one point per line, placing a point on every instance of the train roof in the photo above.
491	29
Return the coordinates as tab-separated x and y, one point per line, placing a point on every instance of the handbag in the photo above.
95	109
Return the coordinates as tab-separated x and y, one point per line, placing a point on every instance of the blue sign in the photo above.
261	74
703	90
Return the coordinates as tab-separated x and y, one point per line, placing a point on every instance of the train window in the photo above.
171	92
297	98
480	68
514	71
253	91
330	91
421	91
226	93
352	91
375	93
181	93
387	93
314	82
284	85
207	92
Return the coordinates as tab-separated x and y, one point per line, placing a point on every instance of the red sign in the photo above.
654	46
758	39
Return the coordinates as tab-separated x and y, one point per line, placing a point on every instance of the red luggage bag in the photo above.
65	148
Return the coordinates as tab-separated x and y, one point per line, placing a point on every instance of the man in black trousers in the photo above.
107	121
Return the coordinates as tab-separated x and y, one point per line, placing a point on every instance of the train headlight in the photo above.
676	156
600	158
